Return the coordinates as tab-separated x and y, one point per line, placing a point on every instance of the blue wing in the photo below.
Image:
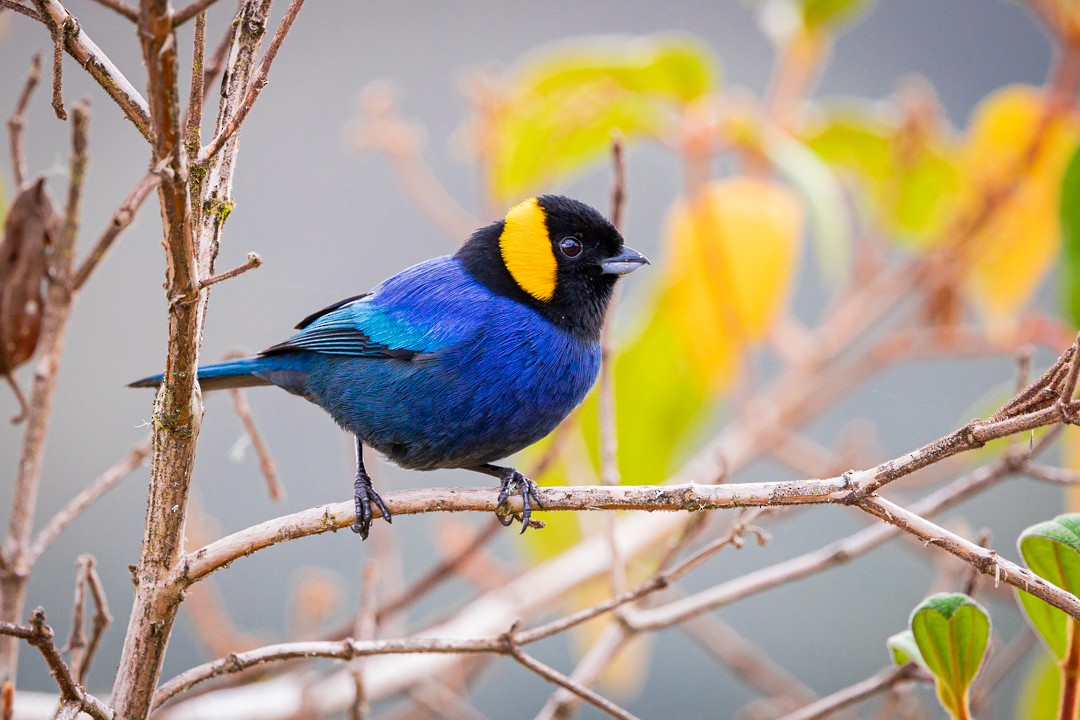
421	310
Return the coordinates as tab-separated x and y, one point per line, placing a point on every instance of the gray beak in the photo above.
625	262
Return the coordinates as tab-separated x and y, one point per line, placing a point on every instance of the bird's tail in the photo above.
231	374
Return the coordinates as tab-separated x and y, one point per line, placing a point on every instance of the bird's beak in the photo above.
625	262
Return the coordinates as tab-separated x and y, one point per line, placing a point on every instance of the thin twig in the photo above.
21	9
194	9
121	219
58	69
569	684
78	504
364	630
192	122
253	261
18	119
880	682
121	8
40	636
258	82
441	572
55	317
79	45
100	622
266	460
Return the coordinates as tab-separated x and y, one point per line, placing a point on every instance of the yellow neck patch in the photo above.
526	250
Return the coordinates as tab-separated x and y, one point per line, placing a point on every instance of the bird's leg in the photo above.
364	495
510	478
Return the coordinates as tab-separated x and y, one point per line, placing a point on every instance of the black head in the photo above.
555	254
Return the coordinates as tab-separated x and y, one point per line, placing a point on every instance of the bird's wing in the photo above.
422	310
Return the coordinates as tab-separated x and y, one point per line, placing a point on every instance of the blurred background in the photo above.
319	197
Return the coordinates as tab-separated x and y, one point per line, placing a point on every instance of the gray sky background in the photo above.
329	223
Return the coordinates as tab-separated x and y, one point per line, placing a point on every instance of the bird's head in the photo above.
555	254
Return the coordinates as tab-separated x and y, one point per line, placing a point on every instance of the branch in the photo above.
121	8
101	68
185	14
55	317
78	504
18	119
40	636
570	685
124	216
849	488
21	9
258	82
253	261
882	681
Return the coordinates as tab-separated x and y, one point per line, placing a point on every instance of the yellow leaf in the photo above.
1014	249
734	251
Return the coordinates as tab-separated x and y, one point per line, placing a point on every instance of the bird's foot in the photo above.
514	481
364	496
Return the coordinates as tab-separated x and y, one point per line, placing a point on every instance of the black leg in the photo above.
510	478
364	495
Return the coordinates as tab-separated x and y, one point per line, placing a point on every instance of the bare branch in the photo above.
266	461
21	9
124	216
364	630
439	573
40	636
121	8
193	10
552	675
380	127
57	311
101	68
253	261
258	82
882	681
78	504
58	68
18	119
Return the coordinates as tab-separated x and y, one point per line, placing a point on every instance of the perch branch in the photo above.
185	14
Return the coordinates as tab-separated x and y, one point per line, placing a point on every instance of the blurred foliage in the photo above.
985	209
561	105
1052	551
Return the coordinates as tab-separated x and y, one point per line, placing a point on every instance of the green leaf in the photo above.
564	101
952	632
818	13
1052	550
1069	212
904	649
1039	690
909	188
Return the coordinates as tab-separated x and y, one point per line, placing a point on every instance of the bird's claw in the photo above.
528	490
363	497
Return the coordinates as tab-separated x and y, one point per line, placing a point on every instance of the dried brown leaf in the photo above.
29	232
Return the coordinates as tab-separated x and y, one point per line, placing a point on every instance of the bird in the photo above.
461	360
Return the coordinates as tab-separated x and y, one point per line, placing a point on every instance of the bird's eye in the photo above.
570	246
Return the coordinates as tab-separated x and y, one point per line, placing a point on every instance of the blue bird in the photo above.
460	360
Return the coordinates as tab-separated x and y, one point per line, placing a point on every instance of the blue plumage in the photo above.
450	363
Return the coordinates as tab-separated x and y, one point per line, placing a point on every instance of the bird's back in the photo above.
466	376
